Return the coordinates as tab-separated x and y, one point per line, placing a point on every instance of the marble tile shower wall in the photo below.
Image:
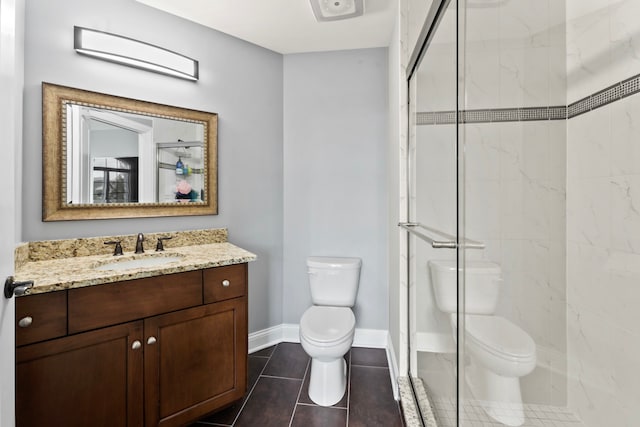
603	216
515	204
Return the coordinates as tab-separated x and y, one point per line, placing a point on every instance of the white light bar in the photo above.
123	50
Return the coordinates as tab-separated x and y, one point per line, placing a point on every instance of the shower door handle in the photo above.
451	243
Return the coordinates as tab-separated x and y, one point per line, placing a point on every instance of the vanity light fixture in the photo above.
333	10
134	53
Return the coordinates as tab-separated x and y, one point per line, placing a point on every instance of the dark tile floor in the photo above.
278	385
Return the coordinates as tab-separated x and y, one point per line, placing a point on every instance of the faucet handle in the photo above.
160	246
139	244
118	249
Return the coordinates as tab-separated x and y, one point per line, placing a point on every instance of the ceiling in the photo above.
288	26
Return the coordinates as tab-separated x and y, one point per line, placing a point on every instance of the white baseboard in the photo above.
265	338
393	367
290	332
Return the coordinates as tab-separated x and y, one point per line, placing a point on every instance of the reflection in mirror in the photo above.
180	171
113	157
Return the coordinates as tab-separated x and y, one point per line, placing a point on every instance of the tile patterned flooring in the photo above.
474	416
278	397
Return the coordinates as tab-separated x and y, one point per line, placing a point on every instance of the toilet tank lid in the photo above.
470	266
334	262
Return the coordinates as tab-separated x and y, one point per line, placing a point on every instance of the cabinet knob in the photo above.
226	283
136	345
151	340
25	322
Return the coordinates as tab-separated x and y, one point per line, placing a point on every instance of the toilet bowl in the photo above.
327	328
326	334
499	351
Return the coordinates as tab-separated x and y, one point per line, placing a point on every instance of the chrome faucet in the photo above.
139	247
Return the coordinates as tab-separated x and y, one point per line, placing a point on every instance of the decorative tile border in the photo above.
606	96
598	99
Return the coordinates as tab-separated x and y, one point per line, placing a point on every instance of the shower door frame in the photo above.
434	16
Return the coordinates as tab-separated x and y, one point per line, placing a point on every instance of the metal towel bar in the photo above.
449	243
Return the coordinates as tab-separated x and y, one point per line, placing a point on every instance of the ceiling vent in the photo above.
333	10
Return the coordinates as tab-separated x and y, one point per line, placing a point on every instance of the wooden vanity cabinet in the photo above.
93	378
155	362
196	362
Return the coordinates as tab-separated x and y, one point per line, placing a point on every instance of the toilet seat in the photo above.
499	337
327	326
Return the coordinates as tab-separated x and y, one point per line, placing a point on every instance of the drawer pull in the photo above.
136	345
25	322
226	283
151	340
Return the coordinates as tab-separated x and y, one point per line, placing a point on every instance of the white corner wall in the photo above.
11	81
335	187
395	204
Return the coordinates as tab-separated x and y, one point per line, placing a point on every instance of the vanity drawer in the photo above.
226	282
103	305
41	317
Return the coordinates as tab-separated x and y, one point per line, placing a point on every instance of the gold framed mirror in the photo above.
106	156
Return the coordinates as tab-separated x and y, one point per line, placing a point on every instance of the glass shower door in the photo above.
433	217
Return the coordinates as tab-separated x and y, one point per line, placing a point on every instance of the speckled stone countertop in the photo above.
43	262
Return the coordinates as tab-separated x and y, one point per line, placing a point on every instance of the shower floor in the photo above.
436	396
474	416
441	412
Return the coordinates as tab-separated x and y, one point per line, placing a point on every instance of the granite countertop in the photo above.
80	271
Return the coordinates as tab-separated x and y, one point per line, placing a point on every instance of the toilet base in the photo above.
499	396
328	381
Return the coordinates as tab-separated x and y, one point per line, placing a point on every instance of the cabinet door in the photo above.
89	379
195	362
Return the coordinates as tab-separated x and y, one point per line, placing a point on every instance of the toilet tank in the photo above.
333	280
482	286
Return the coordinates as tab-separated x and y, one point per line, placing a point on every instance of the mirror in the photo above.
111	157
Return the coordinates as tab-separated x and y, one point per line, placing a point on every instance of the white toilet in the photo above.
327	327
499	351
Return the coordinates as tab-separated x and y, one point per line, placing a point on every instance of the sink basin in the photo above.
130	264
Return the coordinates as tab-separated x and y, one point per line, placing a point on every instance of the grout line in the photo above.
211	424
293	414
349	389
282	378
344	408
251	391
367	366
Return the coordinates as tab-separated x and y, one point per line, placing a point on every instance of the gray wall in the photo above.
239	81
335	187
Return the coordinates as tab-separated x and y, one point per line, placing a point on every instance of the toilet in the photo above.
499	351
327	327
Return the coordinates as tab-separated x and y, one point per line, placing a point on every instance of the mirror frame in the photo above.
54	206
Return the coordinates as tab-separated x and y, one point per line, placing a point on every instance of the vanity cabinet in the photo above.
92	378
145	352
191	362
